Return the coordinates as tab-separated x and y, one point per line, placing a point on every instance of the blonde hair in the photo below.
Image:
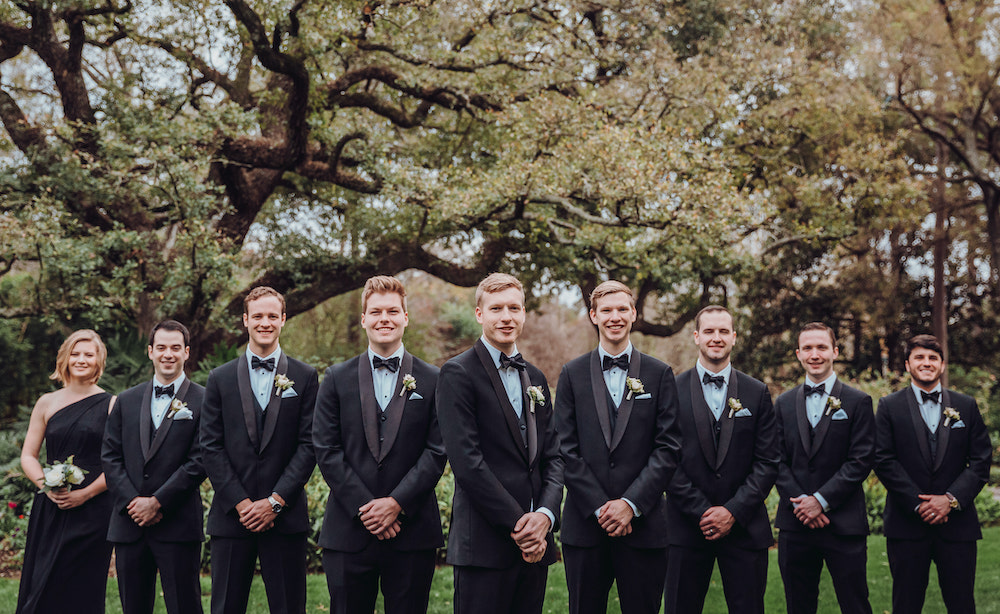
382	284
61	374
497	282
261	292
610	287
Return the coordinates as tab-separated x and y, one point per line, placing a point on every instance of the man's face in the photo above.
925	367
263	320
502	316
816	352
168	354
384	320
613	314
715	338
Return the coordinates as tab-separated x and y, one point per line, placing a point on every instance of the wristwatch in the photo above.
952	501
275	506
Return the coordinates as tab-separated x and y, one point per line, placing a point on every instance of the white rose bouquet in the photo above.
62	475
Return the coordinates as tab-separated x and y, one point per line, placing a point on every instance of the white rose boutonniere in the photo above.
409	384
282	383
536	396
734	406
62	475
634	386
832	404
950	414
179	410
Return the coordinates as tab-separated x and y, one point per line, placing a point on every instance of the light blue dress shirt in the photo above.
614	377
929	410
383	379
714	396
816	403
262	380
159	405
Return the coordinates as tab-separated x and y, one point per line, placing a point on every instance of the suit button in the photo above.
381	439
612	464
523	427
383	418
718	476
145	476
380	466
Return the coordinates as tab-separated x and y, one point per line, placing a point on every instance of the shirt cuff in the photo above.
822	501
549	515
635	510
795	506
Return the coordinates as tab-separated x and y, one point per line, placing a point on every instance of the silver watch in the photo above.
275	506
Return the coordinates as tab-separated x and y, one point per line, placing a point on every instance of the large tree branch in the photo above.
25	136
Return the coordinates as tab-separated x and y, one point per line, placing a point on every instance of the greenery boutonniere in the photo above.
409	384
832	404
536	396
950	414
734	406
282	383
634	385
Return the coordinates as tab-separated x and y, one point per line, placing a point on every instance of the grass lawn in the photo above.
987	587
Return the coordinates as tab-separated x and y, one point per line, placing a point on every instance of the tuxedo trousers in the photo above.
639	572
282	567
801	555
689	573
179	565
353	579
518	589
910	563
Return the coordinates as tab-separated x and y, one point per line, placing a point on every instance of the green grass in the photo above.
987	588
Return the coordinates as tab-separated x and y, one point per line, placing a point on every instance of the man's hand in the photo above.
615	517
257	516
390	531
934	509
716	523
808	509
378	515
144	511
818	523
529	534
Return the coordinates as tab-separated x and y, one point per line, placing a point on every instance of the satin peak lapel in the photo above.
508	410
726	436
394	410
823	426
146	420
529	417
802	418
246	399
702	419
274	405
943	432
598	387
919	426
369	406
625	409
168	420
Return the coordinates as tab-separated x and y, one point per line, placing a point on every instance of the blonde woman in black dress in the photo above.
67	556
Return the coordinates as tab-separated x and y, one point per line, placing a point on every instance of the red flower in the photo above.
12	505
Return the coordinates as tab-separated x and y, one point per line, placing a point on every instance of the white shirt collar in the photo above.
495	353
177	382
397	354
702	370
827	383
602	352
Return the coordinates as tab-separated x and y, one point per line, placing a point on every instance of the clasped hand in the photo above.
529	535
934	509
145	511
67	499
615	517
381	517
809	511
257	516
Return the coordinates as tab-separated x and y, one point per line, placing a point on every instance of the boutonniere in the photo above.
734	406
409	384
832	404
179	410
634	385
536	396
950	414
282	383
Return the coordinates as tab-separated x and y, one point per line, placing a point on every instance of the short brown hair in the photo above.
927	342
382	284
61	374
497	282
261	292
709	309
822	327
170	325
610	287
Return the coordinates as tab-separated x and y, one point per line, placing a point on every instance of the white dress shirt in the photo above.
614	377
160	404
262	380
929	410
816	403
383	379
714	396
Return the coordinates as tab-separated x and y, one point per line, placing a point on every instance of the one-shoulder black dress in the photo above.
67	555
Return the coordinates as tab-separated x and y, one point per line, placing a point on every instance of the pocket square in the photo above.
185	414
415	396
839	415
640	397
743	413
289	393
958	425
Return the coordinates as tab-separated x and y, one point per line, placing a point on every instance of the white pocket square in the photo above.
640	397
839	415
958	425
415	396
743	413
289	393
185	414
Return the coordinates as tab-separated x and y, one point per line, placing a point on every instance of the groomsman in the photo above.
729	461
616	411
153	466
378	445
933	456
256	437
496	421
826	434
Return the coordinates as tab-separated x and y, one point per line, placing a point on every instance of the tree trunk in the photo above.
939	305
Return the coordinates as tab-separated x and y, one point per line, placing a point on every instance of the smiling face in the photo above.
925	366
715	338
263	319
83	361
613	315
168	354
502	316
816	352
384	321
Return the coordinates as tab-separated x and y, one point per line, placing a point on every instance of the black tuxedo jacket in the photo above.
230	444
834	460
166	465
635	461
738	475
405	464
904	464
497	477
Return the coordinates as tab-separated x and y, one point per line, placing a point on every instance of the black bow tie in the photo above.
811	390
516	361
621	362
718	380
930	396
163	391
257	363
391	364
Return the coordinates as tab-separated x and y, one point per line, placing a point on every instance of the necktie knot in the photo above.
608	363
930	396
392	364
257	363
163	391
718	380
516	361
811	390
